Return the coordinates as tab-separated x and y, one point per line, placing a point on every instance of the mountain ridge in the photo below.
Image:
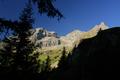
49	38
48	43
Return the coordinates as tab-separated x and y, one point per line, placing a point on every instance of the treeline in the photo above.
18	61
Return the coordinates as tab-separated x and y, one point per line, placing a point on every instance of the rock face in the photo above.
93	32
71	38
75	37
43	38
48	42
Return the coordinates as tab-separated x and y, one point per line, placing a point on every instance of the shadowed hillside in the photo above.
48	43
95	58
99	56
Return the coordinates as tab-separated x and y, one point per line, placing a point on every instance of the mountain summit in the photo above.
44	38
49	43
101	26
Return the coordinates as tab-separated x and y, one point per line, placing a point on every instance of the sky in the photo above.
78	14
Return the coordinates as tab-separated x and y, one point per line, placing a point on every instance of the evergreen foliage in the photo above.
17	59
62	61
46	6
23	59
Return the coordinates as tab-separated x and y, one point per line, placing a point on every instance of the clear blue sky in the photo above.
79	14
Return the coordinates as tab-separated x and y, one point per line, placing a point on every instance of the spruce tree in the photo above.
47	64
63	60
25	61
19	48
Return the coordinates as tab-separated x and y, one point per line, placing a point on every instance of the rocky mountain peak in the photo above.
101	26
74	33
93	32
44	38
40	33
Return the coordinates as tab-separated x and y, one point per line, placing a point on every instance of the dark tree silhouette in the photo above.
46	69
47	65
6	58
46	6
24	62
17	58
63	60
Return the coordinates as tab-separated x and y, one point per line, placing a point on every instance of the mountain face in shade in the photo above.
43	38
96	58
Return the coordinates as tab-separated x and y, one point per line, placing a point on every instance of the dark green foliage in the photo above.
67	69
62	61
6	24
58	73
6	27
46	69
47	64
17	60
6	58
18	54
46	6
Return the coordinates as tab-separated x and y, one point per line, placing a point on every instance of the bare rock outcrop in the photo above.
43	38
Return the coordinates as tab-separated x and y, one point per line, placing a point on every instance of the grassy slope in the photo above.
54	55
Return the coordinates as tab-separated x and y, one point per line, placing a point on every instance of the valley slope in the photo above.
48	43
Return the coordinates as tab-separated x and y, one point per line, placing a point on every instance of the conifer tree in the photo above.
21	48
47	64
24	59
63	60
18	53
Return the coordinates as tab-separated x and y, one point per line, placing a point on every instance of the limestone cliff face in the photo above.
43	38
93	32
47	42
71	38
74	38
